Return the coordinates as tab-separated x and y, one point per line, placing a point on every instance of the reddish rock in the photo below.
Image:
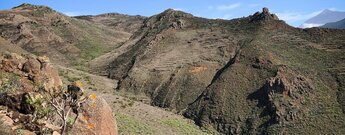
96	119
32	65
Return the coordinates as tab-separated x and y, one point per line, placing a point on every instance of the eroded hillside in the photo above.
248	75
67	41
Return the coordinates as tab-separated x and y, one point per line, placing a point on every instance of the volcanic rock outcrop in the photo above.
27	85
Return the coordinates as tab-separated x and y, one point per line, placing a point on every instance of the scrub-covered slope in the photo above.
285	81
248	75
67	41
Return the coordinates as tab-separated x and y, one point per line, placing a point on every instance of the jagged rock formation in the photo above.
21	79
265	15
286	94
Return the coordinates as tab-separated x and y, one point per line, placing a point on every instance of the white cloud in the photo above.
72	13
178	9
228	7
224	17
292	17
227	16
309	25
333	9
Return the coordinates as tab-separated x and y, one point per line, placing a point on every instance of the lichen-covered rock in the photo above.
23	78
96	118
35	69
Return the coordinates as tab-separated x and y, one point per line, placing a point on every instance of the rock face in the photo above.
286	94
26	108
96	118
31	68
265	15
282	97
22	77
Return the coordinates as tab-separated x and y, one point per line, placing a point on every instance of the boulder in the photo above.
22	78
32	65
5	124
95	119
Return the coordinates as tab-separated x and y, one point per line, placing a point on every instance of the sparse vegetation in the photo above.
129	125
10	82
223	74
185	128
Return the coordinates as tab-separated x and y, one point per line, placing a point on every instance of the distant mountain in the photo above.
335	25
324	17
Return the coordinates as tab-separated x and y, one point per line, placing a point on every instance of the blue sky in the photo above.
294	12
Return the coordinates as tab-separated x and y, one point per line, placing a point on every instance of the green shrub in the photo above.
11	82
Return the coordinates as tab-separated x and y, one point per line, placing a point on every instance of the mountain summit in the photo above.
324	17
265	15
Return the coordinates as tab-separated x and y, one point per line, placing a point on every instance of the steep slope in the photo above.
8	47
67	41
335	25
116	21
252	75
178	55
175	57
324	17
285	81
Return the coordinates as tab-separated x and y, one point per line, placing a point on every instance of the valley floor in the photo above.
133	115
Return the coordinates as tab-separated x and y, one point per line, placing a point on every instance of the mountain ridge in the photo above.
335	25
326	16
249	75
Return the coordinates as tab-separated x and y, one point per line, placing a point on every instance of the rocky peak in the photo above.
169	18
175	13
326	11
27	6
265	15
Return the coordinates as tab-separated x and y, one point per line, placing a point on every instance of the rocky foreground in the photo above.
30	102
